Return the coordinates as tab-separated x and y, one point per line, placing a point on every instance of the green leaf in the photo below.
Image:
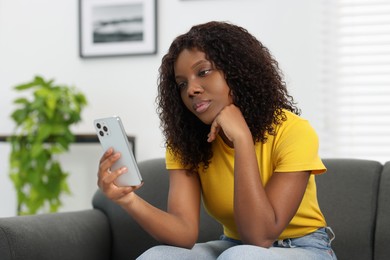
36	150
40	81
51	103
15	179
65	188
44	132
22	101
58	129
25	86
34	177
19	115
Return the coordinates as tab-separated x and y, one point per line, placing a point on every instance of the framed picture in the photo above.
117	27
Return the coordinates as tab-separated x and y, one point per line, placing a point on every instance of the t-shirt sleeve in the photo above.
172	162
297	148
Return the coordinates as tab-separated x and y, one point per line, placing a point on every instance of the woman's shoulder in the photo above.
290	116
294	123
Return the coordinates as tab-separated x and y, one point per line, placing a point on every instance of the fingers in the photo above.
231	121
119	194
106	162
106	154
109	177
106	183
214	129
106	177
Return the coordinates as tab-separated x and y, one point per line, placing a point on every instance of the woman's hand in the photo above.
106	179
232	123
179	226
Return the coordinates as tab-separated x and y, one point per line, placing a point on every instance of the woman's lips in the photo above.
201	107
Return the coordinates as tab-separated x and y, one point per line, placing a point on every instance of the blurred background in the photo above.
335	55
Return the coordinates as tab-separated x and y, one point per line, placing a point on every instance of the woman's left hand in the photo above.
231	121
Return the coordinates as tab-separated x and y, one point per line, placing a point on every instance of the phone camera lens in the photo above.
98	126
105	128
101	133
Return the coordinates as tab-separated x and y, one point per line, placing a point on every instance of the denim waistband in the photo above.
290	242
226	238
284	242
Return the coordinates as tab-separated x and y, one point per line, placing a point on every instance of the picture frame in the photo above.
117	28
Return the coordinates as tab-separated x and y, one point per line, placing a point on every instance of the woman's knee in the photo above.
244	252
150	253
164	252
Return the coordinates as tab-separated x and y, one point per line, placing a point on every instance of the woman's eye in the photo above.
204	72
181	85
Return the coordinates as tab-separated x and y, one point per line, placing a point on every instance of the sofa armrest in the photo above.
72	235
382	233
347	195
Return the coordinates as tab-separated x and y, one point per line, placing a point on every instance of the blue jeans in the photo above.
316	245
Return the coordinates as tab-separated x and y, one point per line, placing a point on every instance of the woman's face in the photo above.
203	88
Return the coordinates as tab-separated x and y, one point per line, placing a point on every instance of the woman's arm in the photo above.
261	213
179	225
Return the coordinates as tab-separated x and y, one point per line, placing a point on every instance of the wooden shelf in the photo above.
84	139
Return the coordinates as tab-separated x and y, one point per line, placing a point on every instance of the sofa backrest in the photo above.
382	233
347	195
129	240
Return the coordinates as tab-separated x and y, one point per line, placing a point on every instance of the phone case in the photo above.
111	133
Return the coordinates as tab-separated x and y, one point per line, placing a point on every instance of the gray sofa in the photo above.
354	196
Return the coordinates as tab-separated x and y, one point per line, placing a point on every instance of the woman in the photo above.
234	137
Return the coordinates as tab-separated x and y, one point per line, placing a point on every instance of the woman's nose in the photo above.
194	89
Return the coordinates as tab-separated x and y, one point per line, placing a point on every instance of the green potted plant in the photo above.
42	132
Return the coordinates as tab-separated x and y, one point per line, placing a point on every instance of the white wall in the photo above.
41	37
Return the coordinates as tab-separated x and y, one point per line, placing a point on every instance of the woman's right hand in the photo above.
106	179
231	121
178	225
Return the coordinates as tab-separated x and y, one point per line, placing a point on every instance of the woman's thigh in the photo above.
316	245
201	251
249	252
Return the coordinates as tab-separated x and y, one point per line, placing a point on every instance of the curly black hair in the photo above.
252	74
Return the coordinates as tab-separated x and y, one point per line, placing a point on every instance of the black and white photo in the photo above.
117	27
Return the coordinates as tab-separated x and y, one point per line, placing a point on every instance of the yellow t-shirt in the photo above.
293	148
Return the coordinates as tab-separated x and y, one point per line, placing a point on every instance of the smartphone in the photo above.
111	133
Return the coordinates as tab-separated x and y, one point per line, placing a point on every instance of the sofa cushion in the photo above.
60	236
347	195
128	238
382	238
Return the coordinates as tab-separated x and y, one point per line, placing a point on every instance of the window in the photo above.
356	79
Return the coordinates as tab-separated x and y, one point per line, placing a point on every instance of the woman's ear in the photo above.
231	96
231	93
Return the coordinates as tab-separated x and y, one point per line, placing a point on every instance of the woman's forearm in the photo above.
254	215
163	226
